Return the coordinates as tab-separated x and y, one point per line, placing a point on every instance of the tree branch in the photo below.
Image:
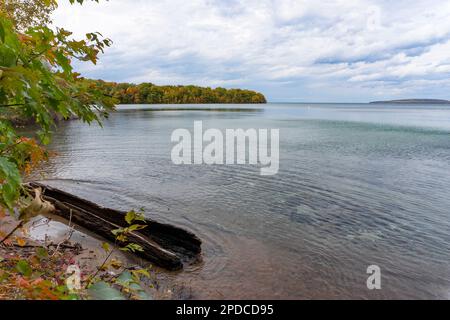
12	232
91	278
11	105
11	146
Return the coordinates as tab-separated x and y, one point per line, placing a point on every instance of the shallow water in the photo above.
358	185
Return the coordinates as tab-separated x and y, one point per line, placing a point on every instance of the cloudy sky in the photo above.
291	50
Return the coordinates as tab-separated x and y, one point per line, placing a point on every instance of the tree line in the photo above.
148	93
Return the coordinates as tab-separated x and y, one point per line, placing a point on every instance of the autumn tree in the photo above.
28	13
127	93
37	81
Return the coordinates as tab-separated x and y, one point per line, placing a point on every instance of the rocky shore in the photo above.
66	248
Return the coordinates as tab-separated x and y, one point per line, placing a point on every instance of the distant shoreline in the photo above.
200	109
412	101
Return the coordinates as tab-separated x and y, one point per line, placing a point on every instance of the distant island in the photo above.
413	101
149	93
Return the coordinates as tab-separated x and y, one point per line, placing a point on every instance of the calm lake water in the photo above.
358	185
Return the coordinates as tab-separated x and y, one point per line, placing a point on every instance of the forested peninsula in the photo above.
148	93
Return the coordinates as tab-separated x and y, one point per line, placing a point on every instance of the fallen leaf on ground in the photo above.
21	242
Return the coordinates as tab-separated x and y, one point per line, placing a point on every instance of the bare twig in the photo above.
100	268
12	232
69	235
11	146
12	105
61	246
38	223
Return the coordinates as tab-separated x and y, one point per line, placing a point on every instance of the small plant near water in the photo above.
127	285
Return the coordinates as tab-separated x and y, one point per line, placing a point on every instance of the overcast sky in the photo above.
291	50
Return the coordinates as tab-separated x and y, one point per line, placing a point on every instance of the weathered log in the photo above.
164	245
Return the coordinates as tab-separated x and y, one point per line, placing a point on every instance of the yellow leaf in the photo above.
116	264
105	246
21	242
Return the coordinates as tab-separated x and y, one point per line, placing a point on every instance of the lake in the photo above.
358	185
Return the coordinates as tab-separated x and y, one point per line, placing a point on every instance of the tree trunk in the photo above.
164	245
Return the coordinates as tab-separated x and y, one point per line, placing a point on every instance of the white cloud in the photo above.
289	49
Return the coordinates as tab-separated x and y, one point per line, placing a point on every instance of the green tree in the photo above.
37	81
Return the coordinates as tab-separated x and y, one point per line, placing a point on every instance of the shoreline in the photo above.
75	246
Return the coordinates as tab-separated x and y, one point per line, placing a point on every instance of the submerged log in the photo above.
164	245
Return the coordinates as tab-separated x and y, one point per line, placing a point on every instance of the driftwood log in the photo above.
164	245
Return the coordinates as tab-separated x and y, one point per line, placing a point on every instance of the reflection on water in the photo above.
358	185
